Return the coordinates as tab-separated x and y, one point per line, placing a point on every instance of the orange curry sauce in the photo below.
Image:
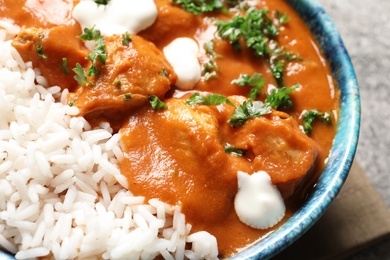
177	155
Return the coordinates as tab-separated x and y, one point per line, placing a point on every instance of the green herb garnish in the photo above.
256	81
90	34
156	103
281	17
39	50
80	76
200	6
64	66
229	149
98	53
280	98
248	109
126	39
164	72
210	100
210	68
310	116
102	2
71	103
127	97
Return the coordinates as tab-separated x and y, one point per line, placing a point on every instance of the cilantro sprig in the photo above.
310	116
209	100
256	81
98	54
80	76
210	68
200	6
257	31
280	98
156	103
247	110
232	150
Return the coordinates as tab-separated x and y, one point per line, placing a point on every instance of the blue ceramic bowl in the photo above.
344	147
343	151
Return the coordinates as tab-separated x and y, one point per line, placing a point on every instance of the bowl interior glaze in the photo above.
345	143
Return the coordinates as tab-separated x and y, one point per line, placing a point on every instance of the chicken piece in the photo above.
176	155
131	73
275	144
47	49
171	16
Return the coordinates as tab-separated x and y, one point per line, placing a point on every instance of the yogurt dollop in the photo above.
258	203
117	17
182	54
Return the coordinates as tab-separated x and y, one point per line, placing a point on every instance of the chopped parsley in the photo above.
118	82
102	2
257	32
164	72
256	29
282	18
200	6
39	50
280	98
229	149
64	66
310	116
156	103
248	109
98	53
210	100
210	68
256	81
126	39
90	34
127	97
71	103
80	76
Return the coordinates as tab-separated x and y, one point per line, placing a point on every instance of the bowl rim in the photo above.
344	145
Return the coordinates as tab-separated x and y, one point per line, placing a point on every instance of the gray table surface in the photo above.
365	29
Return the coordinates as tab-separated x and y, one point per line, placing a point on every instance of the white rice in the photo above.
61	192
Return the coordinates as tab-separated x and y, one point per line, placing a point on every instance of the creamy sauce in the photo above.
117	17
182	54
258	203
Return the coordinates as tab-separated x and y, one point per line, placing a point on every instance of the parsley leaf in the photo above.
80	76
210	100
229	149
256	81
102	2
64	66
200	6
90	34
39	50
310	116
156	103
210	68
127	97
71	103
98	53
248	109
126	39
281	17
280	98
164	72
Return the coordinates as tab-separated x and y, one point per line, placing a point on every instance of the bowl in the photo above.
344	147
345	142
